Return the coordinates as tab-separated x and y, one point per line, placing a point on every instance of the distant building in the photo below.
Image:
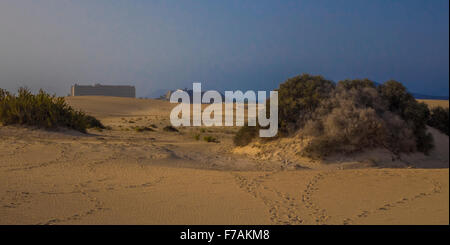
103	90
190	92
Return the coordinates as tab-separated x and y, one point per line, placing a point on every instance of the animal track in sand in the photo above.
17	148
79	188
146	184
97	205
16	198
287	209
319	215
436	188
61	158
284	211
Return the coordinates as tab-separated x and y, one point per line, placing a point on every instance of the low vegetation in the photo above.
95	123
170	128
42	110
141	129
245	135
211	139
197	136
350	116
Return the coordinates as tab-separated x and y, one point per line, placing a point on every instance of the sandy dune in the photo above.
121	176
435	103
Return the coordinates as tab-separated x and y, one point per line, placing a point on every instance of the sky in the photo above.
225	45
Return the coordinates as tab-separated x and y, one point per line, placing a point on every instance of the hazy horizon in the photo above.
159	45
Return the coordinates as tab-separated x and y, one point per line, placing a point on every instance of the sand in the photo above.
121	176
435	103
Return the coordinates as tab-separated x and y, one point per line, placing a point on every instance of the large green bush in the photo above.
349	121
360	116
416	114
298	98
350	116
42	110
356	84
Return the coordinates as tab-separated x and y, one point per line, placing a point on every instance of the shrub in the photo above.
400	137
351	116
396	96
142	129
358	116
42	110
347	121
245	135
360	93
93	122
197	136
439	119
170	128
356	84
298	98
211	139
319	147
345	130
416	114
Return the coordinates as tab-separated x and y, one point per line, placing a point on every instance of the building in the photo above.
190	92
104	90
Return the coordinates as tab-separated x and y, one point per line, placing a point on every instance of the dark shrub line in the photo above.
42	110
211	139
143	129
170	128
352	115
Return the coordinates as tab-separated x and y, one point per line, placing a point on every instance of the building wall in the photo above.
103	90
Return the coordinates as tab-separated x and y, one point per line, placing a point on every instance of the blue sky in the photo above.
223	44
